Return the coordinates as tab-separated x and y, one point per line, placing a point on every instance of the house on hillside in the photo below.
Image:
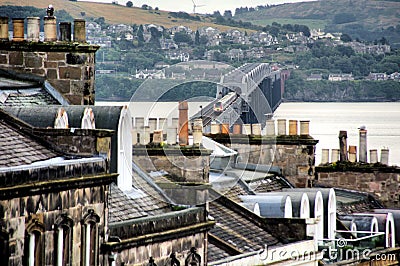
340	77
314	76
377	76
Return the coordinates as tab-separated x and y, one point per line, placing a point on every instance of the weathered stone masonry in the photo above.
75	191
382	181
69	67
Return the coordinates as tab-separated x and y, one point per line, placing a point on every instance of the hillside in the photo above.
114	14
364	19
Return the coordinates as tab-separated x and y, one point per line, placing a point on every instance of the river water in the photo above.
382	121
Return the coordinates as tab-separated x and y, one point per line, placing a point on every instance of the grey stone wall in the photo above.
385	185
183	166
68	67
295	160
161	251
79	141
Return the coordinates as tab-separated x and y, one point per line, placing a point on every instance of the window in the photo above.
63	241
90	239
34	246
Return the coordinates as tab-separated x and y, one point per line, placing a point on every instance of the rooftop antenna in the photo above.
194	6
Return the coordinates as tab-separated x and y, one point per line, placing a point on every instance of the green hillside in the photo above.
363	19
114	14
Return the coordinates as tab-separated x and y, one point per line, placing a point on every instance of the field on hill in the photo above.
115	14
371	13
311	23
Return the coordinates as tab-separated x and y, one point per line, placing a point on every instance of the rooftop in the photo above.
17	148
144	199
26	90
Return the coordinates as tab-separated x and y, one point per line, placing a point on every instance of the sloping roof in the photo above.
18	149
236	191
143	200
124	207
351	201
106	117
269	184
237	229
26	91
215	253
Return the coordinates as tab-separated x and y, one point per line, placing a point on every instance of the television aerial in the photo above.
194	6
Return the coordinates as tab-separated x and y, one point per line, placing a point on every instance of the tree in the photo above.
140	35
197	38
101	21
345	38
228	14
182	37
155	37
129	4
145	7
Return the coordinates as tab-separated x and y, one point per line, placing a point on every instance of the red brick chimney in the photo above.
183	124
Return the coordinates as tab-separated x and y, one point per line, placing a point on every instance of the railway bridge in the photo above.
258	91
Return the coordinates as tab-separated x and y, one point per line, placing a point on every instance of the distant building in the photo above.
377	76
315	77
340	77
395	76
150	74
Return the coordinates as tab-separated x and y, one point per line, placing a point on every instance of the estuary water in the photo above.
382	121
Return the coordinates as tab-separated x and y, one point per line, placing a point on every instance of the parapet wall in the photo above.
382	181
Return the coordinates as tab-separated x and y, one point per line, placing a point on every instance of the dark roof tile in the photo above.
18	149
238	230
215	253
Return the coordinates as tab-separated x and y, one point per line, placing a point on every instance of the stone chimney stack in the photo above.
343	146
385	156
305	128
68	67
363	144
18	29
33	29
183	124
353	154
50	29
65	31
4	29
79	30
373	156
198	132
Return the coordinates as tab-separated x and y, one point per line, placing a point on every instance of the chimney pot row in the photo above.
50	29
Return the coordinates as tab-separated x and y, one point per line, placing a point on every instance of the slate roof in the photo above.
215	253
18	149
261	184
351	201
24	93
239	189
106	117
237	229
269	184
143	200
